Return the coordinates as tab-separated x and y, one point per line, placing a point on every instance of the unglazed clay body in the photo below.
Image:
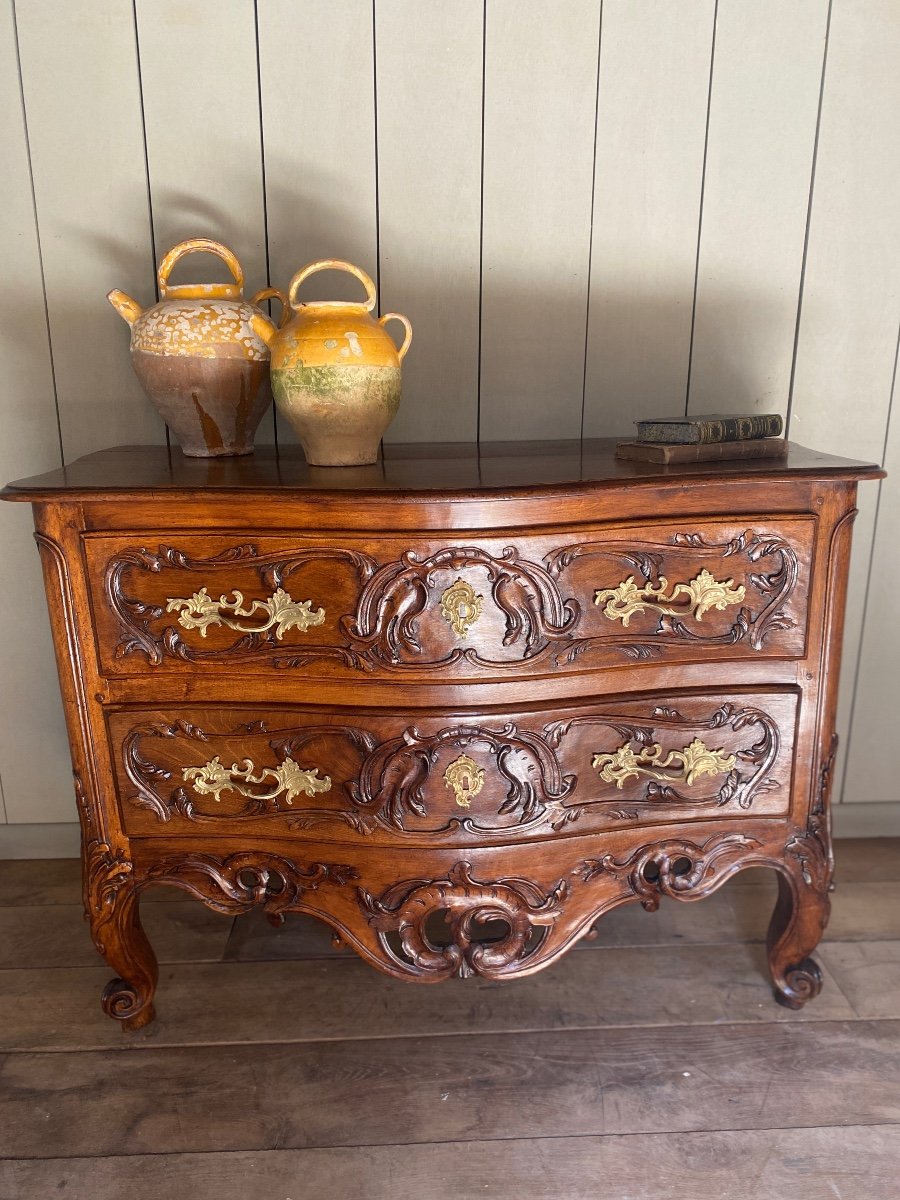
199	356
336	373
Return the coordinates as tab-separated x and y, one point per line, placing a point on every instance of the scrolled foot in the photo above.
125	1003
801	983
799	919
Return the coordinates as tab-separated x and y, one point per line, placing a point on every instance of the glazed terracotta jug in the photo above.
200	356
336	372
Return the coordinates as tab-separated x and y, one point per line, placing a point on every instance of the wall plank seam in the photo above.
478	348
375	164
590	256
262	167
712	64
809	211
858	658
154	260
37	226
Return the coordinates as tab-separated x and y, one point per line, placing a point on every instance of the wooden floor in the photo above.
651	1062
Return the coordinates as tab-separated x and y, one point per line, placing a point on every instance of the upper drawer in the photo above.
453	606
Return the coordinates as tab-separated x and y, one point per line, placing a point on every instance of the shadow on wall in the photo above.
529	354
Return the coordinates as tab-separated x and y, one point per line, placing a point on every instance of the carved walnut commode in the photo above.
511	690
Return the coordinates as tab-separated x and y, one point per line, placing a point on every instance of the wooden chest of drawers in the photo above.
457	704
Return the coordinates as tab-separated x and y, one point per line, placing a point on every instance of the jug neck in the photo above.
332	306
203	291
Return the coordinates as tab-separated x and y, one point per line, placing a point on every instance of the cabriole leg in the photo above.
119	936
801	914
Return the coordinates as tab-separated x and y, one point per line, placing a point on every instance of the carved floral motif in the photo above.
107	872
404	910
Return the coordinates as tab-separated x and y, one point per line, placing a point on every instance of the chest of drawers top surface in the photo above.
488	470
518	683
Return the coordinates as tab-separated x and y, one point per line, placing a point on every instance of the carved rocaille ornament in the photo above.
520	905
239	882
677	867
384	626
382	632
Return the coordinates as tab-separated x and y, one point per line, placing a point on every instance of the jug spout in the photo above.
264	329
128	309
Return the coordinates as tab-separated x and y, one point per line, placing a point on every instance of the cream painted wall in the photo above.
591	210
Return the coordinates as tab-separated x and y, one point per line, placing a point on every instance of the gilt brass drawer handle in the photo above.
465	779
283	612
702	593
461	606
214	777
679	766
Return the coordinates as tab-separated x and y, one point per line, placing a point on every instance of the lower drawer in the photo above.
453	777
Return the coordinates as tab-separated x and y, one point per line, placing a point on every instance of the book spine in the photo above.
726	429
702	452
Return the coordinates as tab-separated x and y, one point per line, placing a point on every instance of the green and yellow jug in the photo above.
336	372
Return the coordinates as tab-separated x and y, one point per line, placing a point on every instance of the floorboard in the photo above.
33	935
650	1062
486	1086
344	999
845	1163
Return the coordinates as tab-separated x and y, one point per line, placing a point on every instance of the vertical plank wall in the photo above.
591	211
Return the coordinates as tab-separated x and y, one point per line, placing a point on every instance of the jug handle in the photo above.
273	293
194	246
332	264
397	317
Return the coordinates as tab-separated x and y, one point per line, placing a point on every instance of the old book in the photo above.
659	452
736	428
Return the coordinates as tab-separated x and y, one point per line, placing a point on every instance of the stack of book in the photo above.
700	439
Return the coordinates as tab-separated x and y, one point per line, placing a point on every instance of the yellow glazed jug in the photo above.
336	372
200	356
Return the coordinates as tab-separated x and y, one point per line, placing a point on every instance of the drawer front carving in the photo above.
527	605
444	779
